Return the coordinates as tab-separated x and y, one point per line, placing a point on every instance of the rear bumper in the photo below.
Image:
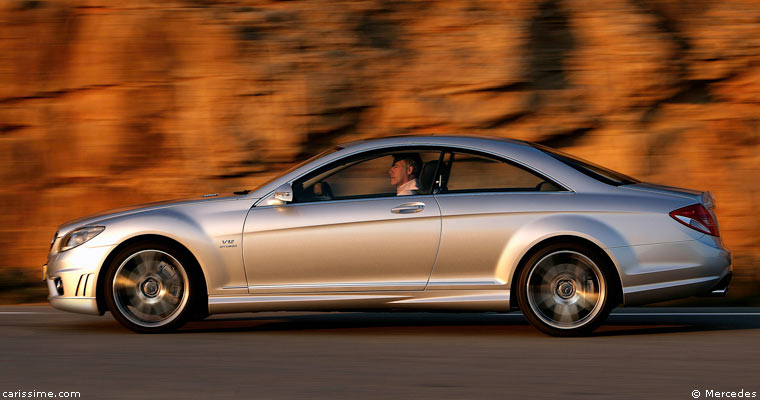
721	288
667	271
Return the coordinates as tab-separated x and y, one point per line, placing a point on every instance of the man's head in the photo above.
406	166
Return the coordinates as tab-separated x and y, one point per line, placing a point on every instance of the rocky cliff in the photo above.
108	103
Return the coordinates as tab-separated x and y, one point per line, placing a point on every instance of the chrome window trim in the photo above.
433	147
402	199
501	193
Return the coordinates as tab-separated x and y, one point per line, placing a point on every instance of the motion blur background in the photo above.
109	103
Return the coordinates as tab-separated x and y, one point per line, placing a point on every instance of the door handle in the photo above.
408	208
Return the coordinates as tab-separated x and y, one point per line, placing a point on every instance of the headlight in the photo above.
52	242
80	236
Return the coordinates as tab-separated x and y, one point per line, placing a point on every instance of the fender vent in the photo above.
84	280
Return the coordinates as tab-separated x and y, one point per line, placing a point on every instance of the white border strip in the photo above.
23	312
719	314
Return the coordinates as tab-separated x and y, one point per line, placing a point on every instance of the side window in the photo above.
368	176
470	172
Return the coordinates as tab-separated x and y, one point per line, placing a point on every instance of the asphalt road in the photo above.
642	353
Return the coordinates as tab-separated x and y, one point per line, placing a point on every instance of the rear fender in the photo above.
529	236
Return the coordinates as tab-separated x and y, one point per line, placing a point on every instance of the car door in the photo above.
484	200
346	230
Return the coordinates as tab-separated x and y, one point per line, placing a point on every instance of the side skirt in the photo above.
432	300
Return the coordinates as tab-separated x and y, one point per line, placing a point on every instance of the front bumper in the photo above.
79	301
72	278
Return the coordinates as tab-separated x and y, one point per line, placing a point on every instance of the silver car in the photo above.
404	223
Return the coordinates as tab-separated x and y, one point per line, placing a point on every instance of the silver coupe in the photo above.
455	223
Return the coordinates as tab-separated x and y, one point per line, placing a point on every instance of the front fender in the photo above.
211	232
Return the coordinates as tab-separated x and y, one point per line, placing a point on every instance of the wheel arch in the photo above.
610	265
147	238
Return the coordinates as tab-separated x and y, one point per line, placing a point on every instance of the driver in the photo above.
404	173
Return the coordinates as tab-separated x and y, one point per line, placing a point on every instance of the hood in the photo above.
695	195
119	212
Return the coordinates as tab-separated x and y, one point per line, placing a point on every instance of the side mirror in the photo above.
284	193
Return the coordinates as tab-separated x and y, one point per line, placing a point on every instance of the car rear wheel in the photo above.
564	290
149	288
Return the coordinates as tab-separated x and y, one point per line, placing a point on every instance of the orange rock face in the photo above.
109	103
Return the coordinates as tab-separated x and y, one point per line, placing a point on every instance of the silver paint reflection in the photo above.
456	251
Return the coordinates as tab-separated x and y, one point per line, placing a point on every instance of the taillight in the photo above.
696	217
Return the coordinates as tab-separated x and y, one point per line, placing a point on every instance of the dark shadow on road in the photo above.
412	323
653	324
643	322
401	323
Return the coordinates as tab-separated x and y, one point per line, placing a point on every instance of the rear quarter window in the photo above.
476	173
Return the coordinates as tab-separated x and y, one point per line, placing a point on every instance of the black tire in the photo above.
565	289
152	287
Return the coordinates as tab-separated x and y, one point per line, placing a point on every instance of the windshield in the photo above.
597	172
301	164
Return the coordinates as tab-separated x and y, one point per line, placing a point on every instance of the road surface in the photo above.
640	353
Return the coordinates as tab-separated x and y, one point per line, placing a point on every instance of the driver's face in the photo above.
400	173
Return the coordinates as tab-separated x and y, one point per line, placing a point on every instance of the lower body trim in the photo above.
81	305
452	300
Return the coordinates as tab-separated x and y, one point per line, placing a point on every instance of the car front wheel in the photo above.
149	288
564	290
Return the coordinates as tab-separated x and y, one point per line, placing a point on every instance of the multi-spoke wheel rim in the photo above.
150	288
566	289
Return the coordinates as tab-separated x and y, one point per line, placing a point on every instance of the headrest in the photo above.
427	176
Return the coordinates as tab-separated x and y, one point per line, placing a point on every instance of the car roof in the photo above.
518	151
431	139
